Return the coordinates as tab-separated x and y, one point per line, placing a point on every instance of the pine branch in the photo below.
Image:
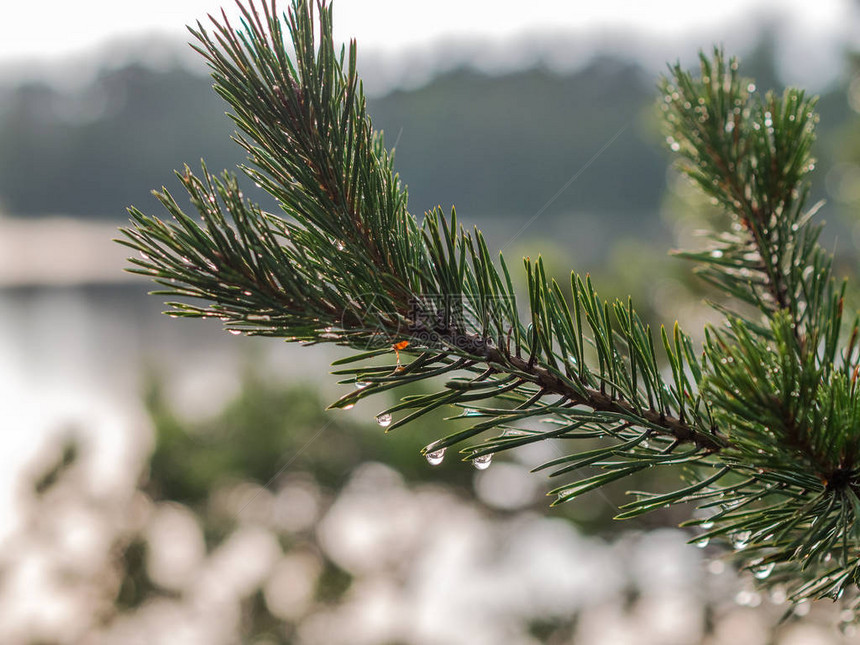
751	155
762	428
315	151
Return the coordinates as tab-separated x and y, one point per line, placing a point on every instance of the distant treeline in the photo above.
495	146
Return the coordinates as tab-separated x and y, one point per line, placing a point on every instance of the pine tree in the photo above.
760	424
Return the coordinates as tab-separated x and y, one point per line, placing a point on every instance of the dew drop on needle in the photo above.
482	462
384	420
436	457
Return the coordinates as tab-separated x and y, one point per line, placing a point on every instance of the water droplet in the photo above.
384	420
730	126
707	524
339	245
751	87
348	406
482	462
703	542
360	385
828	557
436	457
235	332
716	253
762	571
740	539
716	567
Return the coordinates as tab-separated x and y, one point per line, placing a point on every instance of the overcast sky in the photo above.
811	32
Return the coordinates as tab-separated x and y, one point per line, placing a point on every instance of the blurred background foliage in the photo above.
495	145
